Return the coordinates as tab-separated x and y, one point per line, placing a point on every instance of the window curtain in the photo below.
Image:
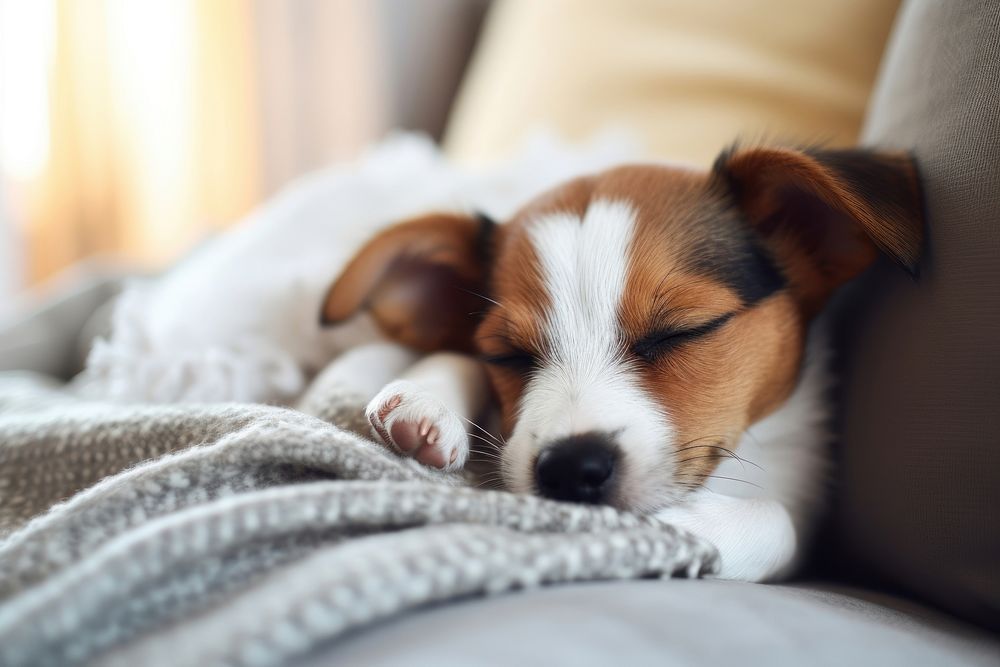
136	128
151	124
151	127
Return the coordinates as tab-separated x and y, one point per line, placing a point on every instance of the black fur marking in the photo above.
484	236
748	269
732	253
722	182
743	263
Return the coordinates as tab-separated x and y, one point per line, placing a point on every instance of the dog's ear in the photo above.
827	214
422	281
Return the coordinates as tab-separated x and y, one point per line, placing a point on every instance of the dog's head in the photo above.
636	322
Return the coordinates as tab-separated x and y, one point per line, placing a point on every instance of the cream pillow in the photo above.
688	76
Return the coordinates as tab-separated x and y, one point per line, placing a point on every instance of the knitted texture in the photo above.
247	534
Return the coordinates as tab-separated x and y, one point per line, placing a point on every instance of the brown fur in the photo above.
827	215
419	281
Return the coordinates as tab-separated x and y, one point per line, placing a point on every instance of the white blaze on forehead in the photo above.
584	264
584	382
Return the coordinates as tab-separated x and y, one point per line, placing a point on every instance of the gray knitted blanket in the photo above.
248	534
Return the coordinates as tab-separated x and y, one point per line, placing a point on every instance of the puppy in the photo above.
643	332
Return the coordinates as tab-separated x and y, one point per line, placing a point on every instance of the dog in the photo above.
639	330
648	336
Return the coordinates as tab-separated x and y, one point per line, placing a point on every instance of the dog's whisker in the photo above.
737	479
492	462
492	443
728	451
717	455
494	448
488	440
481	296
486	457
755	441
690	443
495	437
494	479
731	479
705	456
493	451
479	437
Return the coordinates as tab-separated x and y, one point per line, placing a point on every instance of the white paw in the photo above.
415	423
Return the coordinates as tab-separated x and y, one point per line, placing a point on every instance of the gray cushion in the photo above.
920	475
50	330
665	623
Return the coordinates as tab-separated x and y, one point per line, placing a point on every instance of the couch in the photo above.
907	571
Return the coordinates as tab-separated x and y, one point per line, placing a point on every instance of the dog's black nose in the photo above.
579	468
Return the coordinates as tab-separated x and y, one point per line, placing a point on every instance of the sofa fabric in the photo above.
919	475
668	623
50	330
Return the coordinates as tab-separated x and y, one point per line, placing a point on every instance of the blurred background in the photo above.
132	129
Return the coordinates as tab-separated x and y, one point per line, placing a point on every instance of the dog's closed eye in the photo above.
659	342
515	360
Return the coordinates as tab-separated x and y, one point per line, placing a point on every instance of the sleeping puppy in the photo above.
640	330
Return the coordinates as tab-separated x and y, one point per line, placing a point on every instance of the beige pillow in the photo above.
689	76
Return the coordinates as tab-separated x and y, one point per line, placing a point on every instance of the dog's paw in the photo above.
415	423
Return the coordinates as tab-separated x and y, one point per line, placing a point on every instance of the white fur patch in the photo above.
585	383
758	510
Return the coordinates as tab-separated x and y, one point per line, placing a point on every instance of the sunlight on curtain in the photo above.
321	73
134	126
26	43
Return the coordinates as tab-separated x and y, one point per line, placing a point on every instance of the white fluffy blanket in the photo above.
238	321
